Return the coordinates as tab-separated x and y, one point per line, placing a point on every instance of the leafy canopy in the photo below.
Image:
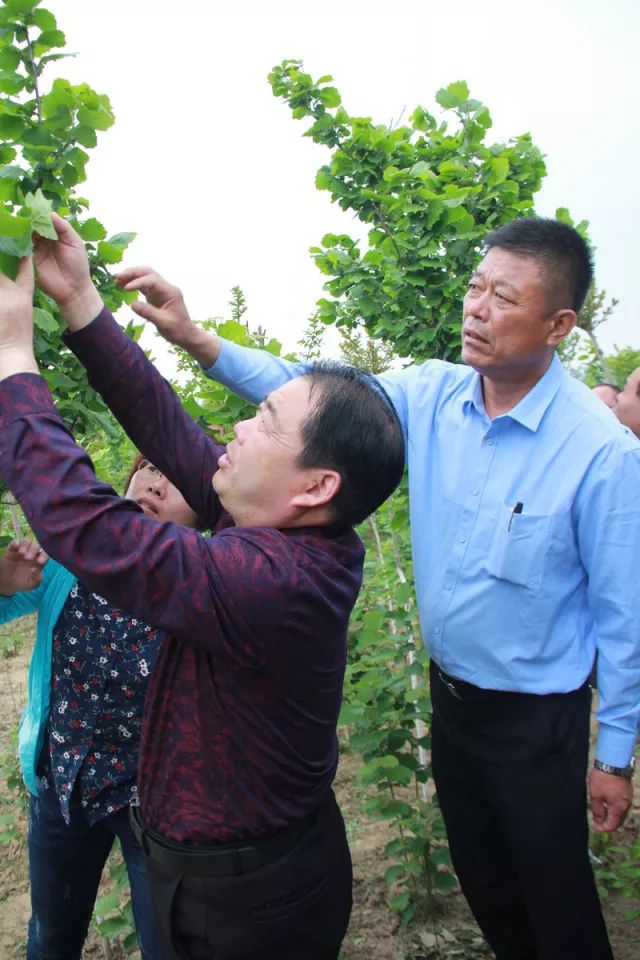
45	134
428	193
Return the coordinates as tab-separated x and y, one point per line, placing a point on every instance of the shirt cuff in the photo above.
614	746
251	373
218	368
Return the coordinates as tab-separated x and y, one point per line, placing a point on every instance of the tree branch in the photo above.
34	74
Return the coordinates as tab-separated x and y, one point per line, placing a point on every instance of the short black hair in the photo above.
564	255
352	427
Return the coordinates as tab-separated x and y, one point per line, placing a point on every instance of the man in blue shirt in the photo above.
525	520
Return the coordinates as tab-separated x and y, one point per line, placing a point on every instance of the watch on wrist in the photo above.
626	772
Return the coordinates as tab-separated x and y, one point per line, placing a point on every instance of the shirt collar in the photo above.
533	406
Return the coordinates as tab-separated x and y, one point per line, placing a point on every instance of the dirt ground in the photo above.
373	931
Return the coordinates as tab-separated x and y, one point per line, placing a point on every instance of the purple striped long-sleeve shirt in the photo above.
239	732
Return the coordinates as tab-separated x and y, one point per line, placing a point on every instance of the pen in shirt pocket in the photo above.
517	509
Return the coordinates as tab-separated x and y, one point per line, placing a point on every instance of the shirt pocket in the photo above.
519	547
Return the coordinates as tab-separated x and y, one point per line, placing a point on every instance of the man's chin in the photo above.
472	358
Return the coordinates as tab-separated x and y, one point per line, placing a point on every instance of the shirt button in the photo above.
490	443
447	586
462	539
436	629
475	493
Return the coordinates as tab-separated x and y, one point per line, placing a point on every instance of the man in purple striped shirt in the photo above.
246	846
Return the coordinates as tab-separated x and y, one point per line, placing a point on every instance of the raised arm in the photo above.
200	589
118	369
252	374
166	309
208	591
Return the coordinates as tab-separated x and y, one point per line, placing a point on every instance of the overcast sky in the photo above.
215	176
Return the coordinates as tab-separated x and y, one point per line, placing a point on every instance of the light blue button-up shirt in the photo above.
525	531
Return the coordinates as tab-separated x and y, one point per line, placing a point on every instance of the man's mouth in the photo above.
148	505
470	334
224	461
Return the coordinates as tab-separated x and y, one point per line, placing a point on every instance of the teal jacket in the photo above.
47	600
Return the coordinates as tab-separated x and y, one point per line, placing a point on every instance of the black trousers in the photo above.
510	773
296	907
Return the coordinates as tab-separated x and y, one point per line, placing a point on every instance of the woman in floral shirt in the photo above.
80	733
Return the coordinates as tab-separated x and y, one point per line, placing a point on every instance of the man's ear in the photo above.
561	324
321	488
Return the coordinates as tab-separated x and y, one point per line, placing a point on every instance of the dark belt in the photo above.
233	859
462	689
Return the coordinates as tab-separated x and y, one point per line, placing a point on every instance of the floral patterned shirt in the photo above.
102	659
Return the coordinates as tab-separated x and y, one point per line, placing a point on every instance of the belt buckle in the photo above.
450	686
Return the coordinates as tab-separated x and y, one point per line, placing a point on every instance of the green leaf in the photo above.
85	135
107	904
9	265
21	6
44	20
454	95
11	83
330	97
113	927
11	172
394	873
44	320
563	215
99	117
58	379
9	58
421	119
60	95
7	154
400	902
91	230
444	882
461	220
49	39
109	253
11	126
483	118
122	240
498	170
40	209
12	226
323	179
40	136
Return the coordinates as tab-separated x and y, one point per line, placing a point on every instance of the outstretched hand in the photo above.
63	273
165	306
166	309
21	566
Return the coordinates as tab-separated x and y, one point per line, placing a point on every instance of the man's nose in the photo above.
158	486
240	429
478	305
